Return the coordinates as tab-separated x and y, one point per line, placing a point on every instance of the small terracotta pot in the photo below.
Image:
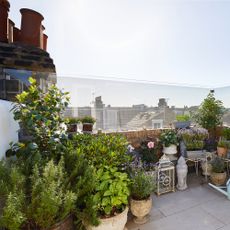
140	209
218	178
222	152
87	127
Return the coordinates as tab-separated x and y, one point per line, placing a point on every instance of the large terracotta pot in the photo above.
113	223
218	178
222	152
140	209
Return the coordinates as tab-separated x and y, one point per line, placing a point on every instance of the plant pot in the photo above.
140	209
222	152
87	127
193	154
113	223
170	152
72	128
218	178
182	124
66	224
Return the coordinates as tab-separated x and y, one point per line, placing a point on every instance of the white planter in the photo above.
140	209
194	154
172	149
113	223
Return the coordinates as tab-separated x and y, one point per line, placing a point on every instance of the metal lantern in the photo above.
165	176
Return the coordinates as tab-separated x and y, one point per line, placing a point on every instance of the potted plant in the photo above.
111	199
169	141
218	175
72	123
87	124
182	121
141	201
222	148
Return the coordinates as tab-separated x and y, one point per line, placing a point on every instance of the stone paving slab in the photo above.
199	207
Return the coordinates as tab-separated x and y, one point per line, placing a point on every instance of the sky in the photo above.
167	41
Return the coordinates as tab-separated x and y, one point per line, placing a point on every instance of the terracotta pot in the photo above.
222	152
4	8
87	127
140	209
218	178
113	223
31	28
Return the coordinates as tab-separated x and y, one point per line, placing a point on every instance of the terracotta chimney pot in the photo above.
17	33
4	8
31	27
11	31
45	38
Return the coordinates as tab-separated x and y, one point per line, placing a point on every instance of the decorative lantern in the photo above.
165	176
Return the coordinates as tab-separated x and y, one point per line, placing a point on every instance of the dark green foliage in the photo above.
103	149
210	113
226	133
168	137
142	185
148	151
218	165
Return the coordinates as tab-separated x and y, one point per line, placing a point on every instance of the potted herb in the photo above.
72	123
218	175
222	148
141	201
169	141
87	124
111	199
182	121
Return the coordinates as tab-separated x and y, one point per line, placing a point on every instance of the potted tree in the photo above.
111	199
222	148
87	124
141	201
169	141
218	175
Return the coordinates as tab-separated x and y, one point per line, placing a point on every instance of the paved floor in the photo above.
198	208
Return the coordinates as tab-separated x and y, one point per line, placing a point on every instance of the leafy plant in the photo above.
218	165
183	117
73	120
226	133
223	144
142	185
111	194
168	137
88	119
210	113
40	114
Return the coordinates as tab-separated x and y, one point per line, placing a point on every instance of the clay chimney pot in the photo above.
4	8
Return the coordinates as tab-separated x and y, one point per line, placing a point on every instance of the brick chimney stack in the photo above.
4	9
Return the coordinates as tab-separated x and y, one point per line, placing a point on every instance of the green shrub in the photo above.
223	144
103	149
226	133
142	185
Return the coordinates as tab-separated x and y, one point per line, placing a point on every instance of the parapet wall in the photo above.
8	127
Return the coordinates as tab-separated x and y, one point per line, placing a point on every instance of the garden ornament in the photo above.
182	170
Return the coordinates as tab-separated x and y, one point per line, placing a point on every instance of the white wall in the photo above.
8	127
